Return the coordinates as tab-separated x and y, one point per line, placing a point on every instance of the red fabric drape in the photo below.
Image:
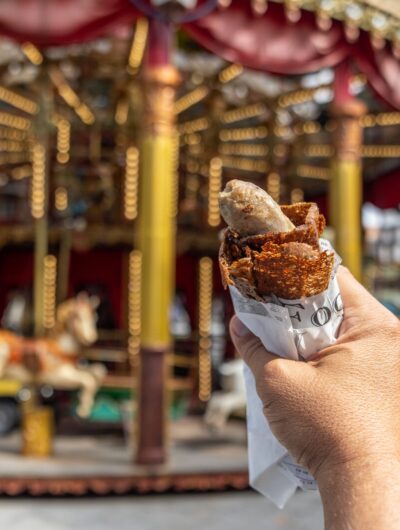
57	22
268	43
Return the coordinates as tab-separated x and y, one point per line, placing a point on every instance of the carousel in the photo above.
120	122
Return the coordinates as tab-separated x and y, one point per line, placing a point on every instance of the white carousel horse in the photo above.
231	399
55	358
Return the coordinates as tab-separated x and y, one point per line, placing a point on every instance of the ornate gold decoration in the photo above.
348	134
380	19
140	483
159	100
37	431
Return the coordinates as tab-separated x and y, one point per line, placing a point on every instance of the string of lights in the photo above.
214	187
319	150
61	199
13	134
273	186
18	101
70	97
244	113
191	98
32	53
38	195
192	126
243	149
16	122
131	183
134	306
205	308
245	164
245	133
230	73
313	172
296	195
380	151
49	291
21	172
63	140
121	111
138	45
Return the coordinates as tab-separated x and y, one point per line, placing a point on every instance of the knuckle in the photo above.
275	369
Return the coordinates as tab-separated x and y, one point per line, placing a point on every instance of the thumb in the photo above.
249	347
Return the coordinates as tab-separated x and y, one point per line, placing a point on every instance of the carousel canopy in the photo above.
260	105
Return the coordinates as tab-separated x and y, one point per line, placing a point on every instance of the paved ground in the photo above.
192	449
219	511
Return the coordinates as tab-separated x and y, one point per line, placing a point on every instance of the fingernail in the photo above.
238	328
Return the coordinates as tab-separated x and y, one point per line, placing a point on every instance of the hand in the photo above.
342	406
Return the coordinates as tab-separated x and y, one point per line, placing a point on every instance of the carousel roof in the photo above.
272	129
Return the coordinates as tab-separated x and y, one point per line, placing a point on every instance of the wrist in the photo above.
364	492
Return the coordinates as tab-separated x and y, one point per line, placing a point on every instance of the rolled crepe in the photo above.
284	257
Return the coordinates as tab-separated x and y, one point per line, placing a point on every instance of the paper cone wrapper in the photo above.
294	329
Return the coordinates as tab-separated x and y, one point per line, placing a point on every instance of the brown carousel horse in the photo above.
55	358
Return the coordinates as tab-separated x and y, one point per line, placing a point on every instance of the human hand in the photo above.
341	406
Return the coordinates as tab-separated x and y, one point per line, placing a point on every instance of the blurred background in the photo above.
120	122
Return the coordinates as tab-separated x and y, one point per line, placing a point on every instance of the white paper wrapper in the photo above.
294	329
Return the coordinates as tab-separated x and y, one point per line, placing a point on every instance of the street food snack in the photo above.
281	277
269	249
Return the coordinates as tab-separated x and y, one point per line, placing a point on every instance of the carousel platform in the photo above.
102	464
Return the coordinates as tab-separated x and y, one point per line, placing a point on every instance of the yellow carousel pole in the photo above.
37	421
156	241
345	191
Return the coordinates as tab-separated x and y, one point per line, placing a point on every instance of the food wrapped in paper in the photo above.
284	290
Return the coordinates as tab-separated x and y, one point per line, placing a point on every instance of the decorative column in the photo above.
156	241
345	192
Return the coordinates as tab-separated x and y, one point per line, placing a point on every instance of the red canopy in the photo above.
268	43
